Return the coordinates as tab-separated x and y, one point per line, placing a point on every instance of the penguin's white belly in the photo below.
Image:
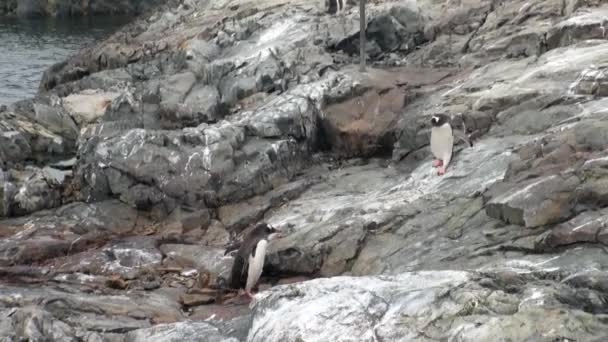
442	141
256	264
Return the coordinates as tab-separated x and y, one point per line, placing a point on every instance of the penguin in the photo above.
442	140
339	6
249	260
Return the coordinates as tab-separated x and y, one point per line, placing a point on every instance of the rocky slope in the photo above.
145	156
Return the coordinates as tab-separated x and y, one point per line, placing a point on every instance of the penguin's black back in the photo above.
238	278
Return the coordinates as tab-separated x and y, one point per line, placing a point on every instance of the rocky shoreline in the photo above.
143	157
63	8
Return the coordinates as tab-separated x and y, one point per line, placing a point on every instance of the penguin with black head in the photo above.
442	140
249	260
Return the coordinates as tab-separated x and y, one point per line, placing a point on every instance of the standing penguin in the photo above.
442	141
338	5
249	260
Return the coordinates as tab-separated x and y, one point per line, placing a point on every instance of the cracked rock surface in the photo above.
145	157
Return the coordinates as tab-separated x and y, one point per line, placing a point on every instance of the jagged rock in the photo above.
121	162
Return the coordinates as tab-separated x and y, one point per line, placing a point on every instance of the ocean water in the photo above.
29	46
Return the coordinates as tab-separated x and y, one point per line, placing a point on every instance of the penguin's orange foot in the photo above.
441	171
249	294
437	162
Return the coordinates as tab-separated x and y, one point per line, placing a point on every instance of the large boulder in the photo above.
424	306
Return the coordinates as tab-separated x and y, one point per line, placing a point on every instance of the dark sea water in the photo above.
30	46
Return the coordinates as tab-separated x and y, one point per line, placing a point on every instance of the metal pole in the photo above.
362	25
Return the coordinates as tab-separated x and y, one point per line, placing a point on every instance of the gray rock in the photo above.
35	324
183	331
537	202
69	229
173	92
592	81
584	26
31	190
202	258
286	116
459	304
587	227
201	105
235	89
15	146
219	124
